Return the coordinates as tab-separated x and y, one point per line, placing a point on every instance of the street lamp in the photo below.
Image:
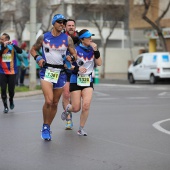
32	74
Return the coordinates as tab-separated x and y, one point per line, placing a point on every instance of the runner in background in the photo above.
70	29
8	70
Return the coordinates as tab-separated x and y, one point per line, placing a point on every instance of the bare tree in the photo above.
115	13
20	17
103	15
155	24
19	10
45	14
6	11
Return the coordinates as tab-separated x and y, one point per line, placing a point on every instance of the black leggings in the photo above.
6	79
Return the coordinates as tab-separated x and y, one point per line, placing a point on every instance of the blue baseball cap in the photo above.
86	34
58	17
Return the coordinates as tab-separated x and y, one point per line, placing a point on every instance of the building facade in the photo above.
130	36
136	23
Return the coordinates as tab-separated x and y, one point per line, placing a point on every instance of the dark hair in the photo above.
70	20
6	36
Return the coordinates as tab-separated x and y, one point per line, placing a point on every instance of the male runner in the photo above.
70	29
52	72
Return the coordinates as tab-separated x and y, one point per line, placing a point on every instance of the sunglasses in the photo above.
60	22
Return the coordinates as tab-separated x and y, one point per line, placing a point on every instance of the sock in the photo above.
81	127
46	125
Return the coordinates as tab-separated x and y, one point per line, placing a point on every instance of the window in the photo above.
138	61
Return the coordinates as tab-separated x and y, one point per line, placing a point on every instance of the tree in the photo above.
6	11
115	13
19	10
155	24
104	15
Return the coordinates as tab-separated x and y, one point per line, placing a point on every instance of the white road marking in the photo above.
162	94
100	94
120	85
147	87
109	98
158	126
137	98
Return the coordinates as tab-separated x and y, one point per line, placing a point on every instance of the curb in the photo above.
29	93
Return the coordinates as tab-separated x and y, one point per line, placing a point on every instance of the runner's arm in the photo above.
71	48
97	57
36	47
18	50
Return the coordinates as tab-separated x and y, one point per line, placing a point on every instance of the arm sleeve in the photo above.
18	50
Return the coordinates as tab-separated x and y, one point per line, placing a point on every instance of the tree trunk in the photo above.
159	31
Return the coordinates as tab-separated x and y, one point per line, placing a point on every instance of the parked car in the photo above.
150	66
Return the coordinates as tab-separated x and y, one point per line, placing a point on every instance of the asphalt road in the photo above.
128	129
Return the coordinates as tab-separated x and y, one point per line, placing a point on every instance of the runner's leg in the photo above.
47	89
86	101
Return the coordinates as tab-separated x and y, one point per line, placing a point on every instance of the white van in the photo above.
150	66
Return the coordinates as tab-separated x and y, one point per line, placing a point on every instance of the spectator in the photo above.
19	59
24	63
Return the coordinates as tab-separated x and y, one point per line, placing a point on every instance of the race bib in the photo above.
6	58
83	80
51	76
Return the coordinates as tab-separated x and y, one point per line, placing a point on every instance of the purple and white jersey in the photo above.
86	58
54	47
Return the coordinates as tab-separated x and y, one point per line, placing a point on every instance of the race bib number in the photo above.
52	76
83	80
6	58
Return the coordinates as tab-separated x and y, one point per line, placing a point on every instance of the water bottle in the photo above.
68	64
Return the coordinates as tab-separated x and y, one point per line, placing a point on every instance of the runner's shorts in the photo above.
75	87
61	80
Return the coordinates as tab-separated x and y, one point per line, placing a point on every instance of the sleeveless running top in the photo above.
54	48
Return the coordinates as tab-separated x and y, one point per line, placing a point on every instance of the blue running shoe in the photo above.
69	125
45	132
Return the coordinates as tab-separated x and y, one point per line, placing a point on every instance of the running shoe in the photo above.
5	109
82	132
65	113
11	102
69	125
45	132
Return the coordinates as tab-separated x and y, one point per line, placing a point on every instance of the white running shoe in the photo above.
82	132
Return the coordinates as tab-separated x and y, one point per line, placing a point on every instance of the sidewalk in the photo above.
29	93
